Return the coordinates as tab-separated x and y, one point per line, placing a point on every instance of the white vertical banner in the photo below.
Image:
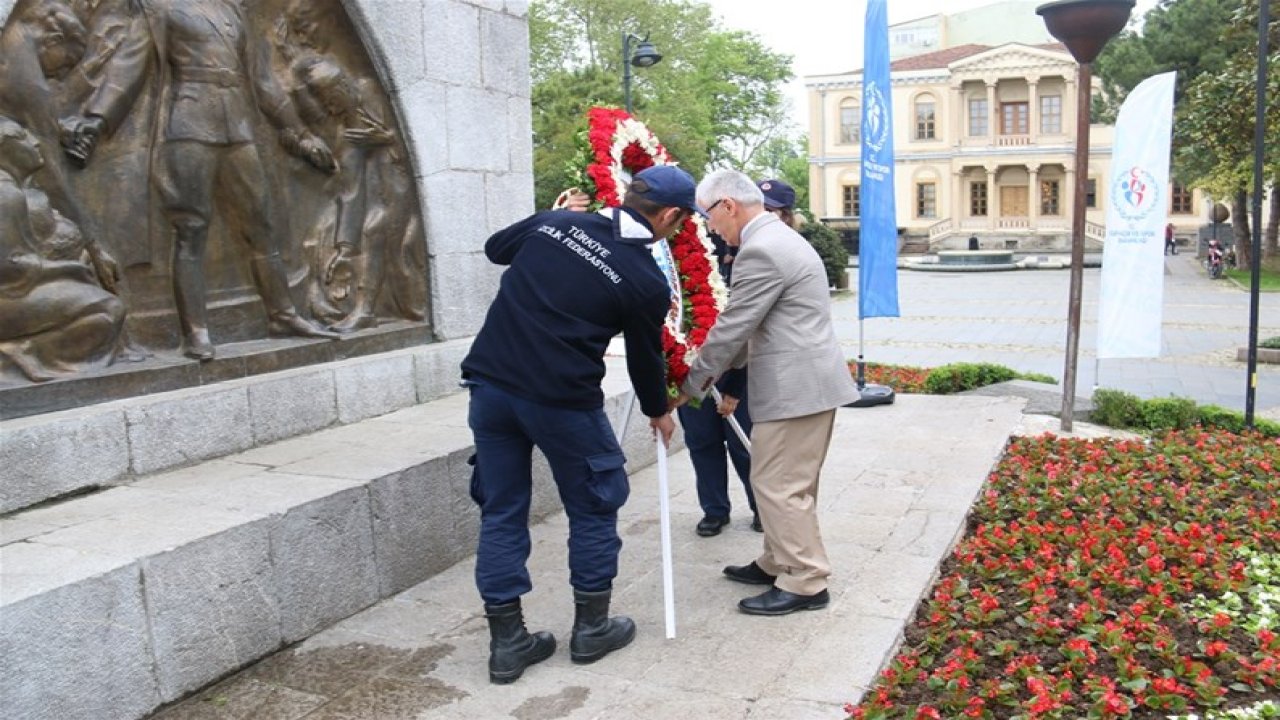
1131	299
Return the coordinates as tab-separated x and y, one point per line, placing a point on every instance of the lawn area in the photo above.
1104	579
1270	280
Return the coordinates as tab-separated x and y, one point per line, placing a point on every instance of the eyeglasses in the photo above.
712	206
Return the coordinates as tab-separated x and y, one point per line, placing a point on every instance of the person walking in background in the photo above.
575	280
779	320
1170	247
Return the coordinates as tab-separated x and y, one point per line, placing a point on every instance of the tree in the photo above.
1214	129
1181	35
1212	46
714	100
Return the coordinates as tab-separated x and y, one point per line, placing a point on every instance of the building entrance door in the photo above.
1013	201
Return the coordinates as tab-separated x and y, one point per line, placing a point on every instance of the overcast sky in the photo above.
825	36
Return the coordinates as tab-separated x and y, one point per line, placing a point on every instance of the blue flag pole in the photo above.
878	234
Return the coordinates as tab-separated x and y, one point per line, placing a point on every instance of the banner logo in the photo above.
1135	194
876	118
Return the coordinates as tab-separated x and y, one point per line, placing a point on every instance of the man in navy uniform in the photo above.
575	280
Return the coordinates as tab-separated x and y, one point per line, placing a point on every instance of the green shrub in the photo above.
1270	343
1216	416
959	377
835	258
1171	413
1038	377
1115	408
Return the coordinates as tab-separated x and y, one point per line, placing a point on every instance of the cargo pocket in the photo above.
476	495
608	483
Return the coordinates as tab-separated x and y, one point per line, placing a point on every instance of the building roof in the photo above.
937	58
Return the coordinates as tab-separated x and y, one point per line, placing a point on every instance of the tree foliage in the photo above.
1212	44
714	100
1181	35
783	158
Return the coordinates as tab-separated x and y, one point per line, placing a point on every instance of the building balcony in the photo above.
1012	140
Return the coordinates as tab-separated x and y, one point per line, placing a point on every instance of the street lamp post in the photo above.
1084	26
645	56
1255	272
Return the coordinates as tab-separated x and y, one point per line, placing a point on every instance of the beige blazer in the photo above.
778	320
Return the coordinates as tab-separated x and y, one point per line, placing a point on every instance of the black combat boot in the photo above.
511	647
595	634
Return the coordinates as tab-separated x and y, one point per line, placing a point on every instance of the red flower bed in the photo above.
1071	595
902	378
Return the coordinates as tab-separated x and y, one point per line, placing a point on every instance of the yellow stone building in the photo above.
984	139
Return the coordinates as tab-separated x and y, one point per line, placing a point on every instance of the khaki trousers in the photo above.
786	458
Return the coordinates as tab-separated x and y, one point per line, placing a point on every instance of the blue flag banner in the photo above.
878	236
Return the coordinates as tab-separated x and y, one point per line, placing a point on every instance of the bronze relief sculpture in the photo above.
226	170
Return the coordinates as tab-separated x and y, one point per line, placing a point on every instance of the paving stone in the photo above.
211	605
322	554
79	651
44	457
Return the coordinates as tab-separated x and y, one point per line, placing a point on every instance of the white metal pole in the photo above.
664	512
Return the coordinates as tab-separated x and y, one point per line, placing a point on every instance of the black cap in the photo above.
777	194
666	185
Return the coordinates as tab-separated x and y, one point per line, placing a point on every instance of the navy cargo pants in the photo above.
587	464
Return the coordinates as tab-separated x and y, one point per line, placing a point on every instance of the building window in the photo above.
849	121
1051	114
925	120
978	198
852	201
977	118
1050	198
1013	118
926	200
1181	200
1091	193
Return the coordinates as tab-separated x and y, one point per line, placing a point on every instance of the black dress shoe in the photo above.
750	574
780	602
755	524
710	525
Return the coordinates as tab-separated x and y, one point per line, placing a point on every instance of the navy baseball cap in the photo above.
667	185
777	194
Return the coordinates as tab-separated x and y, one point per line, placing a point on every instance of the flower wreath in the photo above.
616	147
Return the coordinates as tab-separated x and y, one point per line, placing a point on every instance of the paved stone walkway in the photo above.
1018	319
896	487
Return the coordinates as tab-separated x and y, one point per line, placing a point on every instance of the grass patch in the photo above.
1270	281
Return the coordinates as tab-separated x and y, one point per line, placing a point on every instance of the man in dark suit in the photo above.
779	320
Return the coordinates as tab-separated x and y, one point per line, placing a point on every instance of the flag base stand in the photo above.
873	395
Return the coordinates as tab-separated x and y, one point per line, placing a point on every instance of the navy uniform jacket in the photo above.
575	281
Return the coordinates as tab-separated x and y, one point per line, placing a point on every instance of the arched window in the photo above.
850	119
926	110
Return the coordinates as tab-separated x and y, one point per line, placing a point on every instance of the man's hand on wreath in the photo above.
665	426
572	199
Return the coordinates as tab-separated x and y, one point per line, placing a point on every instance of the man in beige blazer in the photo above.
779	320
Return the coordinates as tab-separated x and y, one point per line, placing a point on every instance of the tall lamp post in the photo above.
1084	26
645	56
1255	273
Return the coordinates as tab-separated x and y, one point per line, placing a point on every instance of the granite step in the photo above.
116	602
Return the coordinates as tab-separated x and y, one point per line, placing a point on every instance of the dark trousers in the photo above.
587	464
707	435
